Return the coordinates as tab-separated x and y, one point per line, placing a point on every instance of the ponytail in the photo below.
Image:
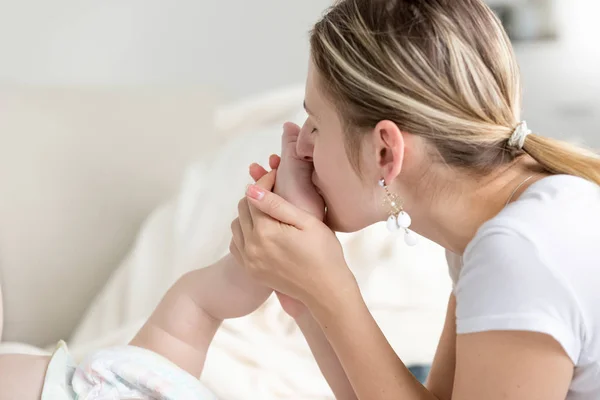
559	157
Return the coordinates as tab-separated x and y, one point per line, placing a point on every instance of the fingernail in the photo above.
255	192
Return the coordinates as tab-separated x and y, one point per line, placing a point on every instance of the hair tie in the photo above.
517	139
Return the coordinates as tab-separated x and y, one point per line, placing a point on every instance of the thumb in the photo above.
276	207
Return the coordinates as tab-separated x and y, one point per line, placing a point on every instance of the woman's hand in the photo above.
294	184
291	306
288	249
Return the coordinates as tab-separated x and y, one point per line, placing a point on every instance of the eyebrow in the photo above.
308	111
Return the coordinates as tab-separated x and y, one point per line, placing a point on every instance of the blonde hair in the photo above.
441	69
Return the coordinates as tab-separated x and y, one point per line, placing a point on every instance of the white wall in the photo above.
245	46
241	46
248	46
562	79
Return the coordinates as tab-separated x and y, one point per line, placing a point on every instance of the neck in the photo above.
452	217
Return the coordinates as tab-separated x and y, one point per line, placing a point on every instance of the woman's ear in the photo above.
389	145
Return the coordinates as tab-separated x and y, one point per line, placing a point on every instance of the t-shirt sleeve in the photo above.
506	284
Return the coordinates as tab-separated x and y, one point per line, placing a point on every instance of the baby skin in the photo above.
184	323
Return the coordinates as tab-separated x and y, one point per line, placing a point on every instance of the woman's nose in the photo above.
305	144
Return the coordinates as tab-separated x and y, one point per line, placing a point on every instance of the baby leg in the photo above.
22	376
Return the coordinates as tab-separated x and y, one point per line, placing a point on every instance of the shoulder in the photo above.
504	257
508	284
558	210
516	248
513	275
557	199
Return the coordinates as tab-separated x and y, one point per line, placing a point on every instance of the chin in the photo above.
344	225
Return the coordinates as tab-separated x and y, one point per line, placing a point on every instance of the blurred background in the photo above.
241	48
113	111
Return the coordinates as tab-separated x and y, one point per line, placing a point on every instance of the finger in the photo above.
245	219
238	236
274	161
265	204
257	171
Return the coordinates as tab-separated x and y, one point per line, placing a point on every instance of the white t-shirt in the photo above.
536	267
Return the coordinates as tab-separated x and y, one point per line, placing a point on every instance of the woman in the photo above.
414	116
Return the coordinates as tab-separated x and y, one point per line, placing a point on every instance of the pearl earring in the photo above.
398	219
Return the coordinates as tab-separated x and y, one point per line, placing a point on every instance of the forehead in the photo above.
311	84
314	97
